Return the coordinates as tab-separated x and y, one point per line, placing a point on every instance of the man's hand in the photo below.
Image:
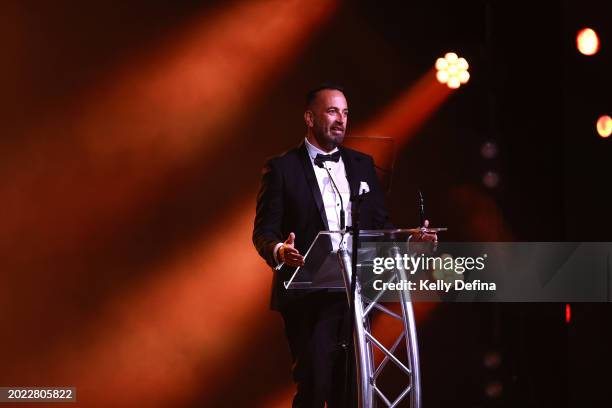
288	254
428	240
424	235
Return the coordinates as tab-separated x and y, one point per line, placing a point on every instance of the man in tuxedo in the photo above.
297	200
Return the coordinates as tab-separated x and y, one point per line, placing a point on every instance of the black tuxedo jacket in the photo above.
290	201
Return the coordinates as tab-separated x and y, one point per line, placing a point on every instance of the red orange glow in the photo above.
178	329
408	112
100	163
153	115
176	333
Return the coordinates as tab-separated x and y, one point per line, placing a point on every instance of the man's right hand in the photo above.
288	254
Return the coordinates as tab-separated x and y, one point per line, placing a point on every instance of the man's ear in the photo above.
308	118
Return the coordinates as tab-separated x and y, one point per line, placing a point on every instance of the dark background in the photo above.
127	187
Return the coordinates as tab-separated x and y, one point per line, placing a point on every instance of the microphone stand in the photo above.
346	341
347	337
421	208
342	214
356	201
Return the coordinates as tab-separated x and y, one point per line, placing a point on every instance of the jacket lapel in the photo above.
311	178
351	170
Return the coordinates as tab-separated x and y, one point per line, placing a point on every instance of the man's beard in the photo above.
327	139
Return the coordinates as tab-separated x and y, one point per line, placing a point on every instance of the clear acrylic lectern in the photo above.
327	269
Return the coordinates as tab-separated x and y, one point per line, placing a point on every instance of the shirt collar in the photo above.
313	150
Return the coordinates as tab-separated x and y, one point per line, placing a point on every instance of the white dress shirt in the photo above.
331	201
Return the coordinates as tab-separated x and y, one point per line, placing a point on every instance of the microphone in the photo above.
319	163
421	207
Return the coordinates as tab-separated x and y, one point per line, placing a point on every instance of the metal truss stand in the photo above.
368	372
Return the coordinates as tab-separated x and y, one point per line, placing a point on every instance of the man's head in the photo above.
326	116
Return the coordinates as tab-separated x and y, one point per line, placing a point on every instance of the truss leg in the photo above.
365	341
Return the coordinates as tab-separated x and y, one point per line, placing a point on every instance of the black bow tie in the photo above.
321	158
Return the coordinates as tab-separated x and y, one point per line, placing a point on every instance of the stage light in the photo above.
490	179
494	389
492	360
488	150
452	70
587	41
604	126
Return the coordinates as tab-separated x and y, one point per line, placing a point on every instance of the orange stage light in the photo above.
604	126
587	41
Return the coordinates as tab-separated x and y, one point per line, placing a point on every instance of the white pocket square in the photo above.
363	188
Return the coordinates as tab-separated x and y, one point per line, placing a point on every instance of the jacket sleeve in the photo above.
269	213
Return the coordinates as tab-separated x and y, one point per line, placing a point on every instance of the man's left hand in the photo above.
425	236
